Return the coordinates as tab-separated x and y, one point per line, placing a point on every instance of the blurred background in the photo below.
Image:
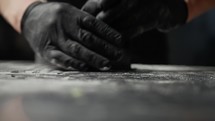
192	44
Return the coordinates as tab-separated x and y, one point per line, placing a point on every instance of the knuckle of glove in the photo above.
84	36
91	6
74	48
89	20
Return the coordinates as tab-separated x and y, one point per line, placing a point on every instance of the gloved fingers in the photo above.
101	30
109	16
99	45
92	7
112	14
64	61
78	51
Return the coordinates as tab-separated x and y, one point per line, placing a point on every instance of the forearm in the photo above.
13	10
198	7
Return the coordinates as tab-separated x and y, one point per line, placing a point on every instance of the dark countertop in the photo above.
148	93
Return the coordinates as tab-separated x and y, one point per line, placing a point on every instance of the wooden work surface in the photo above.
148	93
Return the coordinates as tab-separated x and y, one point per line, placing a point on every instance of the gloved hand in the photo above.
70	38
133	17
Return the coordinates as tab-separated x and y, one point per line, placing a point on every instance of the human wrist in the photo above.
14	11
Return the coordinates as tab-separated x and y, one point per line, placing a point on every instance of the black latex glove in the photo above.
70	38
133	17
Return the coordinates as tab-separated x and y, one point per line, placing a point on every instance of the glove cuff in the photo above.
178	15
28	10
